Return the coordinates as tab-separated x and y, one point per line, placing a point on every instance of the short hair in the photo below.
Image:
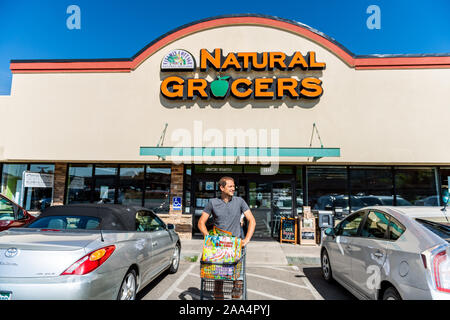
223	181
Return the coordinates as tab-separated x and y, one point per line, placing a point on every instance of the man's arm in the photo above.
202	223
251	227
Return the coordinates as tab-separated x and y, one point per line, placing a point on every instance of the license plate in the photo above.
5	295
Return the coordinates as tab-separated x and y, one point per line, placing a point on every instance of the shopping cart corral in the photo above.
224	281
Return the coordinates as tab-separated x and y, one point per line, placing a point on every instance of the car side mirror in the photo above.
170	226
330	232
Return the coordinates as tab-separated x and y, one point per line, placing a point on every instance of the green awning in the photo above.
235	152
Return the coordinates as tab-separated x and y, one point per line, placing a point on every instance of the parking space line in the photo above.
177	282
265	294
281	269
276	280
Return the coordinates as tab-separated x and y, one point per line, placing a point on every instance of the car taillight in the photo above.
90	262
441	271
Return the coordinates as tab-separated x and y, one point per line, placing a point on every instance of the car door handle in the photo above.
154	244
379	254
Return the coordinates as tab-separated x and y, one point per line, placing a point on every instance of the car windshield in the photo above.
66	223
438	226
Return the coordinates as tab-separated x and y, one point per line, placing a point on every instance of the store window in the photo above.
157	189
327	188
79	183
131	184
299	190
187	189
39	198
445	182
12	175
371	186
105	183
416	186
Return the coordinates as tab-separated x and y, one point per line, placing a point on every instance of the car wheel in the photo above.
128	287
391	294
175	260
326	266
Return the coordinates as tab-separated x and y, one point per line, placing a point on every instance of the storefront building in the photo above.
293	116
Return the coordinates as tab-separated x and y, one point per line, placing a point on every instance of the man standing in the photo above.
226	212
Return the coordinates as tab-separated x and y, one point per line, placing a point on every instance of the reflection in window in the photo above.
131	185
39	198
299	190
6	210
147	222
371	186
157	190
12	181
105	183
396	229
205	190
327	188
79	183
187	189
416	186
375	226
349	227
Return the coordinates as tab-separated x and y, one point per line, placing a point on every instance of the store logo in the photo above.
11	252
266	87
178	60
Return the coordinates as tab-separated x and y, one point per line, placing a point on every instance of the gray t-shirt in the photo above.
227	215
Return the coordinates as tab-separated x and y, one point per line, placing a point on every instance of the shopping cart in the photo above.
223	281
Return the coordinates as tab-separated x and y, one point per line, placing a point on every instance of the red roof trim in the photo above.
129	65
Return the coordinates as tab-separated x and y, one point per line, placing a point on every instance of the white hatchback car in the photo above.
390	253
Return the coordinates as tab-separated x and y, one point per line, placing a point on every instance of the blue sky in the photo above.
36	29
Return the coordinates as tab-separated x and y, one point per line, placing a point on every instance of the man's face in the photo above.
229	188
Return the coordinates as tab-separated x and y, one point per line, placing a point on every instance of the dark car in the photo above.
12	215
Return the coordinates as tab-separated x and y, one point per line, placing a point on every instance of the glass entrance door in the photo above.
269	201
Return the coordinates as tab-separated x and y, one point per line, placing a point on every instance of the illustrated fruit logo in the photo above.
176	59
219	87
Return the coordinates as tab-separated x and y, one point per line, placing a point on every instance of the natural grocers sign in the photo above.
185	88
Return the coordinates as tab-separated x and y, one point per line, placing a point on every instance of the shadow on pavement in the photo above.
329	291
141	294
193	293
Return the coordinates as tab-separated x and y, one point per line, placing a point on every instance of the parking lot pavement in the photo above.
269	282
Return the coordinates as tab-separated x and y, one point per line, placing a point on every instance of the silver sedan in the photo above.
390	253
86	252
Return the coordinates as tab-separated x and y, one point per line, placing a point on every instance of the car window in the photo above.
376	225
441	229
6	210
147	222
349	227
66	223
396	229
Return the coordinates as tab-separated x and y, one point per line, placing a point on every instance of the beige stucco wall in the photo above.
374	116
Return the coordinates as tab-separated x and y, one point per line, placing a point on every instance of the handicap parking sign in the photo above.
176	203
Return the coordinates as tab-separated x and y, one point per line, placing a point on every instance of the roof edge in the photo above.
376	61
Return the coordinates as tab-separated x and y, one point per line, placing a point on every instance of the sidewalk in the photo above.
262	252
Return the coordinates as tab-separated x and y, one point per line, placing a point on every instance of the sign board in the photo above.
288	230
307	227
176	203
230	80
37	180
